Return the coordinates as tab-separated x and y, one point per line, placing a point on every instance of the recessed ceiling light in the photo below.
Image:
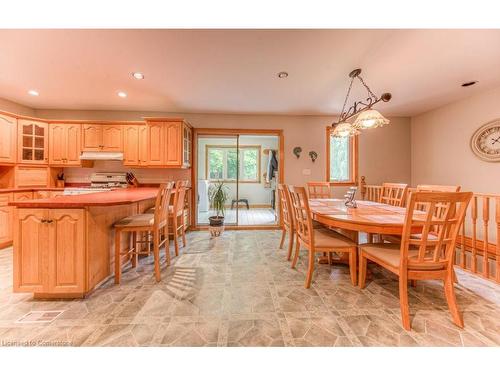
122	94
467	84
33	92
138	75
282	74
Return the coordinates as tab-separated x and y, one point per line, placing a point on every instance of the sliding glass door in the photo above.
247	167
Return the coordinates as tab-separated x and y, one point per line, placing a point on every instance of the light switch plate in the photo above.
306	172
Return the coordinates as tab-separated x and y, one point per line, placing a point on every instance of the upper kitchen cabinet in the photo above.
169	143
135	145
33	142
64	144
8	134
99	137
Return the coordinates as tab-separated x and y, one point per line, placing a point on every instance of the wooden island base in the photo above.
68	252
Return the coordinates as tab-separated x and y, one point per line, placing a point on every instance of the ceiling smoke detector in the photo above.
282	74
470	83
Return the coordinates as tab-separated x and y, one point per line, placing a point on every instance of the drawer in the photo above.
32	176
23	196
5	198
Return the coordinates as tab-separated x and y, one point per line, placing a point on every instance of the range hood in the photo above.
95	155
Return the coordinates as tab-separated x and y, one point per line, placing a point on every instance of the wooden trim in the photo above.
479	248
258	147
354	160
221	131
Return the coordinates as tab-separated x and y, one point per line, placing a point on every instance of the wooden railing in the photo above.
478	246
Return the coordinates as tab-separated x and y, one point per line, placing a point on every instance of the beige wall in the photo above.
384	153
441	152
18	109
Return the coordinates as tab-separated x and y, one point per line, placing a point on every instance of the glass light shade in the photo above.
370	119
344	129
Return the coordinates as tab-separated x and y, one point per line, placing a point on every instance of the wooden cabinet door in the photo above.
173	142
143	145
31	241
57	144
32	142
8	132
131	145
6	218
73	144
186	146
112	138
66	257
91	137
156	143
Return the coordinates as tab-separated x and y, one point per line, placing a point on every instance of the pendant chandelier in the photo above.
367	117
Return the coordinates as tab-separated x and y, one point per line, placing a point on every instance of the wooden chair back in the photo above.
393	194
436	188
179	196
434	253
319	190
301	214
162	205
285	205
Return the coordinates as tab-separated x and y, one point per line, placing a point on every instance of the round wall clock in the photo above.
485	142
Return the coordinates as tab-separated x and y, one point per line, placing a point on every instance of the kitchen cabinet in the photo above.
31	176
49	254
32	142
169	143
64	144
8	139
135	145
6	219
99	137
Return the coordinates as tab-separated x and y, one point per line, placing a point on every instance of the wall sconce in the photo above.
296	151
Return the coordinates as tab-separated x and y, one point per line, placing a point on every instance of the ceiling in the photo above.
235	71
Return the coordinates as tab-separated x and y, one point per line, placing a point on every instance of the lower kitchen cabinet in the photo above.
49	255
6	217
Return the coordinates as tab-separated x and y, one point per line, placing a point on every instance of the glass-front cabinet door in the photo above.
33	142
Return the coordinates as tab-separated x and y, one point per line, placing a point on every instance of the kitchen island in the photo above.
64	246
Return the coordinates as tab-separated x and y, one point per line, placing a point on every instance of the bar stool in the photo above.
155	223
176	214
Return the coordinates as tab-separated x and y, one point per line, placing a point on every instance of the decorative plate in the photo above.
485	142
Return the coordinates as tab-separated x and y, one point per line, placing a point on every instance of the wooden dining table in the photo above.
368	217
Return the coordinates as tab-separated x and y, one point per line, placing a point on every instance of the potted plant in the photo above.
218	195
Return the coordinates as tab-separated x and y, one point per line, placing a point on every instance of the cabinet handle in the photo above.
44	221
50	221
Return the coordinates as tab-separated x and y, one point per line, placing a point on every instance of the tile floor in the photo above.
253	216
238	290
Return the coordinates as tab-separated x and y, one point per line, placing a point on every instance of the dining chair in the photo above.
319	190
155	223
422	257
393	194
176	214
287	219
317	240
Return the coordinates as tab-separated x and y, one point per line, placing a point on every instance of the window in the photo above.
222	163
341	159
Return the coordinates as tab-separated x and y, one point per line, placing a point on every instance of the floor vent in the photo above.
40	316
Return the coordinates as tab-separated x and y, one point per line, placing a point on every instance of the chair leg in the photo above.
329	257
370	237
176	233
118	266
148	242
413	283
134	252
403	301
183	231
353	261
310	269
362	270
283	234
297	251
167	245
156	253
452	301
290	244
